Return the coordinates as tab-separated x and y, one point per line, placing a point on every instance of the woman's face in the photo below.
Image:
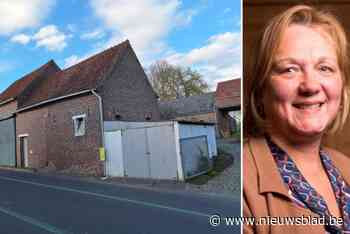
303	93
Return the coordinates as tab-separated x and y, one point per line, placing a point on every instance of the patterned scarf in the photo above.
303	194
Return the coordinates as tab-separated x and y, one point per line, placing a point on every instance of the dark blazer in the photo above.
265	193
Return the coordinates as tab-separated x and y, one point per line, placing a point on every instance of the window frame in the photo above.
75	118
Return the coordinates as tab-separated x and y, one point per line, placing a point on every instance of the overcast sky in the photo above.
202	34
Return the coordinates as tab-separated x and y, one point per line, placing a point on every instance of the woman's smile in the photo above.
309	108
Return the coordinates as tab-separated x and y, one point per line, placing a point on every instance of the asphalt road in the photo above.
34	203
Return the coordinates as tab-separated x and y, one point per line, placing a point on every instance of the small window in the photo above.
148	116
79	125
117	114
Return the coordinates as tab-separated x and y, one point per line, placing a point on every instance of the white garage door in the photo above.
114	150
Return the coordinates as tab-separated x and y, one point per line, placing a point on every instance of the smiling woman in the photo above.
303	92
298	93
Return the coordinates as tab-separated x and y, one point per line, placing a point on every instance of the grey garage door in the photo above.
150	152
195	156
7	142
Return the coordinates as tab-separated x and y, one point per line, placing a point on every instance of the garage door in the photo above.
7	142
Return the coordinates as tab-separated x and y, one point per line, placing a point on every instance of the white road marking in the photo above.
32	221
148	204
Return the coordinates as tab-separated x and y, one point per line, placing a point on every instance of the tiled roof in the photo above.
193	105
228	94
19	86
83	76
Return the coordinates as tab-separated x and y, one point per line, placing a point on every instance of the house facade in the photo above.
59	119
227	101
52	140
214	107
200	108
9	106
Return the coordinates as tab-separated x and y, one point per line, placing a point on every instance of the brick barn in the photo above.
59	114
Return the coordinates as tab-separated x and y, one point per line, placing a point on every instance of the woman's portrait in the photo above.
297	94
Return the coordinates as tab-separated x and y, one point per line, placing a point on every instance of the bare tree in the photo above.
172	82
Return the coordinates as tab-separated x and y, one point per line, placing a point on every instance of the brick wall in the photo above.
128	93
33	123
224	127
51	139
8	108
208	118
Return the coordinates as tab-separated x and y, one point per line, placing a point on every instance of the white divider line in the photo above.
148	204
34	222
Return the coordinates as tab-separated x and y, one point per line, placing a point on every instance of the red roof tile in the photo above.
83	76
19	86
228	93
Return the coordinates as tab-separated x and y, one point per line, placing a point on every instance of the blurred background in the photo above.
256	13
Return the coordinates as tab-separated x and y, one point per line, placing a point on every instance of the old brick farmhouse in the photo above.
55	117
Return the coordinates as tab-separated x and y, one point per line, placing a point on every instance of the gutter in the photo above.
6	101
52	100
102	126
6	116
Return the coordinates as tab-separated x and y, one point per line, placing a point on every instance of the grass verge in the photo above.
220	163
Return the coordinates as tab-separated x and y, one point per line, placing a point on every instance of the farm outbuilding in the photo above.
52	118
169	150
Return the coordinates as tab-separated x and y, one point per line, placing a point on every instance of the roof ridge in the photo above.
117	58
189	97
85	75
20	85
124	43
30	73
231	80
42	67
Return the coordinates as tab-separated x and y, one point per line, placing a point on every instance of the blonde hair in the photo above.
269	43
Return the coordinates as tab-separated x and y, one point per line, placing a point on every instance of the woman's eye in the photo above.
290	70
326	69
286	70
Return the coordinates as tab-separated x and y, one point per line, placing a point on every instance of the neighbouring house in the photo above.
9	106
59	116
227	101
194	108
217	107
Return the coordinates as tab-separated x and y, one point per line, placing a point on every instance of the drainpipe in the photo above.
101	123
